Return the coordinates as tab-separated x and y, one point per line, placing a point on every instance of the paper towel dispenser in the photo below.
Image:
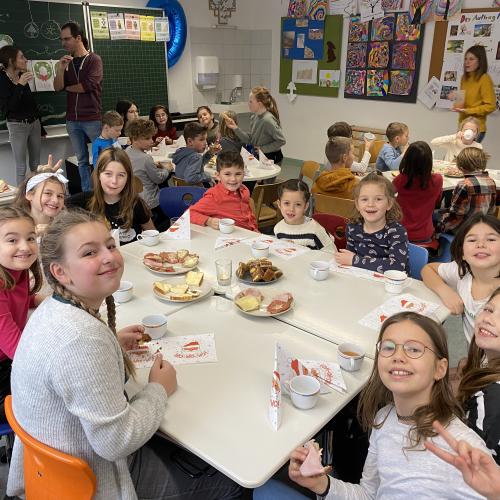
206	72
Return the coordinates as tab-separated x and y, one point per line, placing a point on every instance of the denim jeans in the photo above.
275	490
480	137
22	137
81	132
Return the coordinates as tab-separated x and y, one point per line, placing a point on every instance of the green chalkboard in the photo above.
34	28
133	69
332	39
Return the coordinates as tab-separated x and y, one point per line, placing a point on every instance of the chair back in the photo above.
375	150
336	226
137	184
49	473
310	169
264	196
358	132
181	182
174	201
444	252
332	205
418	257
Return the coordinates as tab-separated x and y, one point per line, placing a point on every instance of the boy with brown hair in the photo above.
339	181
392	152
230	198
112	124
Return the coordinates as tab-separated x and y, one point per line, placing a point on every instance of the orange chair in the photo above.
50	474
336	226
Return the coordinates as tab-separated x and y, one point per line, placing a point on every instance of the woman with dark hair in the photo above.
165	129
19	107
480	99
129	111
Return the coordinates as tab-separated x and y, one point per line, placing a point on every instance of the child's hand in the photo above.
452	301
25	77
129	336
158	140
368	143
168	140
162	372
213	222
344	257
53	168
317	484
214	148
230	123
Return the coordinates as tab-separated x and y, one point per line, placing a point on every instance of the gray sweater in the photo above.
265	133
150	175
68	392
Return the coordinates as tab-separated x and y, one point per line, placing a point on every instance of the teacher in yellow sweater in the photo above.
480	99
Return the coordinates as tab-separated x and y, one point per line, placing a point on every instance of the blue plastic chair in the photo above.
174	201
419	257
445	241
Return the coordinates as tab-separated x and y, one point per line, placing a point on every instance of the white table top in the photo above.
220	410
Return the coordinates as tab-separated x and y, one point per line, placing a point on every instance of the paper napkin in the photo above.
180	229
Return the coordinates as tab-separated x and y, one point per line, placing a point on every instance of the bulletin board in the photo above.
383	58
309	58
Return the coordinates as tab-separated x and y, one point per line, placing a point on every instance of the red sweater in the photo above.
417	205
222	203
169	132
14	305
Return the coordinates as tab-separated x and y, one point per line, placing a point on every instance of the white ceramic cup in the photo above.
155	325
149	238
395	281
304	391
123	141
350	356
124	293
468	134
260	249
368	136
319	269
226	226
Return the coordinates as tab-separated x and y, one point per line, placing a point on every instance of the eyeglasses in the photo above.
412	348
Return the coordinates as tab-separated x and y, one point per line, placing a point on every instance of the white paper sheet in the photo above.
305	71
43	75
357	272
344	8
227	241
275	411
371	9
430	93
280	248
180	229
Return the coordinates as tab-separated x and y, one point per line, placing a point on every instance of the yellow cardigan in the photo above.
480	99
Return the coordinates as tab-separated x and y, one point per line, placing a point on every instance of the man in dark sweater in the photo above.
80	75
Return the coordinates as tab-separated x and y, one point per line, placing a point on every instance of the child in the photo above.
391	154
69	373
418	191
112	124
228	139
190	160
18	257
114	197
375	238
479	390
477	192
293	202
265	127
42	194
141	133
408	389
206	118
227	199
164	127
465	284
129	111
339	181
343	129
465	137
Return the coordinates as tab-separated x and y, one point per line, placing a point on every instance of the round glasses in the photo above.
412	348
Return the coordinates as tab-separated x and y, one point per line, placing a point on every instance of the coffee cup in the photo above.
350	356
124	293
395	281
368	136
260	249
304	391
149	238
155	325
468	134
123	141
226	226
319	269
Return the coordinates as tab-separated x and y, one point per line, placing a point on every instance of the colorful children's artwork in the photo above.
297	8
377	82
370	9
329	78
355	82
405	30
395	5
401	82
116	26
99	22
133	26
421	11
446	9
403	55
43	75
356	55
162	29
317	9
344	8
358	30
378	55
147	28
302	39
383	28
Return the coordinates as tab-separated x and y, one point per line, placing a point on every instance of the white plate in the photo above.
262	311
205	288
10	192
256	283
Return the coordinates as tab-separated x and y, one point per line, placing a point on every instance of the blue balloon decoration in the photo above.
178	28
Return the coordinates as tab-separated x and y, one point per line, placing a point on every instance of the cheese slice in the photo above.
248	303
179	289
161	287
194	278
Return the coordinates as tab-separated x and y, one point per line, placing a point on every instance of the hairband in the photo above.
39	178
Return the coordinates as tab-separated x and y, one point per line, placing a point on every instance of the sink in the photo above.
237	107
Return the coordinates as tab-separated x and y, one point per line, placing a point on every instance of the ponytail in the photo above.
263	95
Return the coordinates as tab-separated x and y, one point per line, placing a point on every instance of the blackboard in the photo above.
37	35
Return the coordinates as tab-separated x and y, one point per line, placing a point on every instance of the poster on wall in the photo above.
472	28
100	28
132	26
303	39
147	28
383	58
116	26
305	72
162	30
345	8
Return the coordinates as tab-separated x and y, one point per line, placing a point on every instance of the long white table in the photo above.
220	410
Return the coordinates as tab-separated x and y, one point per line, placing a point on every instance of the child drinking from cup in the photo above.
375	238
293	202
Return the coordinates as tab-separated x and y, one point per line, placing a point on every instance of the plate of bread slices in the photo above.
5	189
251	301
187	288
258	272
453	171
179	262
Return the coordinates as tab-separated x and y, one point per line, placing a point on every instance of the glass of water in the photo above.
223	269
